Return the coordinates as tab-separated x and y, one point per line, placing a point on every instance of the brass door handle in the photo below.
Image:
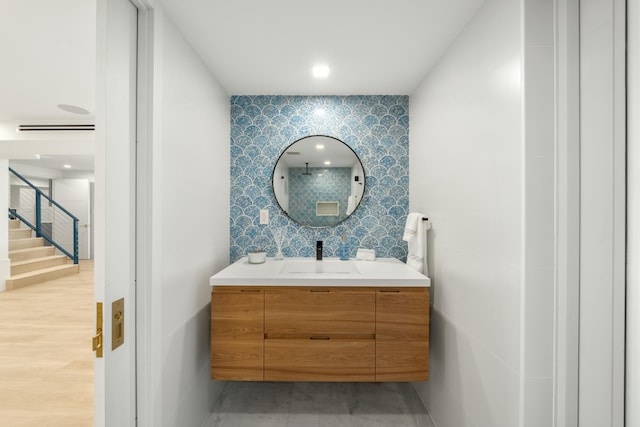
97	342
97	338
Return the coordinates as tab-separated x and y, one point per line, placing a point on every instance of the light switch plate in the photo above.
264	216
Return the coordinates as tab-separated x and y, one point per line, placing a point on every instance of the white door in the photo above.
115	372
73	195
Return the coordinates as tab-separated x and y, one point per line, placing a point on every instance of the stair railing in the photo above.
64	217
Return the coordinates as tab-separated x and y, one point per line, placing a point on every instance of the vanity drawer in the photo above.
237	335
334	359
402	361
237	315
402	335
317	311
402	315
236	360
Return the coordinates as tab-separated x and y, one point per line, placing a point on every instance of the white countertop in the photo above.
328	272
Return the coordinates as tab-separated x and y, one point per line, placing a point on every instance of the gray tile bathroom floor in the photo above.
255	404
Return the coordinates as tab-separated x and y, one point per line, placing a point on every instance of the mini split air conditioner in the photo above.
56	128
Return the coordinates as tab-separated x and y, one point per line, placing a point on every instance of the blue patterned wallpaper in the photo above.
332	185
375	127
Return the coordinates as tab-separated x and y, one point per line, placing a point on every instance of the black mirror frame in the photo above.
361	180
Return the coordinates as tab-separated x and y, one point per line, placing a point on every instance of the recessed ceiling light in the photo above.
320	146
67	166
37	156
321	71
72	109
327	162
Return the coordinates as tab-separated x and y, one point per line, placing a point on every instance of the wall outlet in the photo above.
264	216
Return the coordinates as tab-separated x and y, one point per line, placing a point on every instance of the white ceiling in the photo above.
268	47
48	58
78	163
315	151
253	47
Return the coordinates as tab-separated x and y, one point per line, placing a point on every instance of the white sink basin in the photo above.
318	267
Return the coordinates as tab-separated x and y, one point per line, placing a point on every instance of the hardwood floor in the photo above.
46	362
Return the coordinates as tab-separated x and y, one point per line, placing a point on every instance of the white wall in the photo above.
538	211
191	196
38	176
486	182
465	174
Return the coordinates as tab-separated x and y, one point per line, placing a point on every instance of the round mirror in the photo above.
318	181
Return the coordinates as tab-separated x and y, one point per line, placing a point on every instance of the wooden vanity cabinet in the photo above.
319	334
237	334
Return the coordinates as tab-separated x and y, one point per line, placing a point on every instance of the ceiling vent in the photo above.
55	128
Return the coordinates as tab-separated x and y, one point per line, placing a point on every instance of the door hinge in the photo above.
97	339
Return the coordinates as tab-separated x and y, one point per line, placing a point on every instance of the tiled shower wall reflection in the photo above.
375	127
333	184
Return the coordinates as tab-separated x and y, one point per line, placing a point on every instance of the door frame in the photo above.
632	386
141	408
148	299
590	276
567	215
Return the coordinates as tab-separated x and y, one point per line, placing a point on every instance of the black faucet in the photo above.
319	250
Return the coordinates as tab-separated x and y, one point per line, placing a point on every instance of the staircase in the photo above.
31	261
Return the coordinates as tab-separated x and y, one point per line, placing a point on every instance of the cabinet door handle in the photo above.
320	338
249	290
389	290
319	290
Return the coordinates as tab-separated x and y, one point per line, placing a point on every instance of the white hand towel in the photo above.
416	237
366	254
411	227
351	204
